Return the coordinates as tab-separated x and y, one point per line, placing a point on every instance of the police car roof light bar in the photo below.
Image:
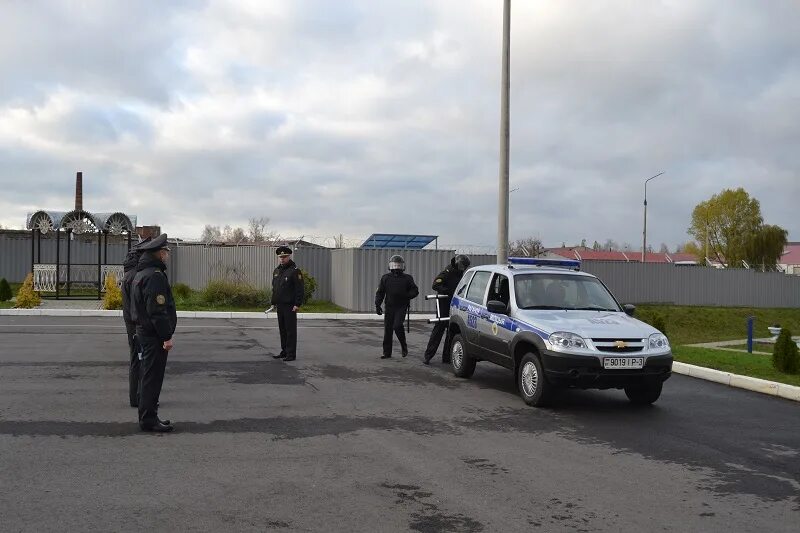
572	264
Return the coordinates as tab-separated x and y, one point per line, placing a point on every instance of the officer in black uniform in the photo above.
153	310
129	268
398	288
445	283
287	297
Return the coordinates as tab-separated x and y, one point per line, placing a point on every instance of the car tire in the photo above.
644	394
463	365
531	382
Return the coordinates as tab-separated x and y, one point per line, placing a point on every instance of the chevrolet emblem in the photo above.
620	344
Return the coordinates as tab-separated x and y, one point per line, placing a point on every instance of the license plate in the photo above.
613	363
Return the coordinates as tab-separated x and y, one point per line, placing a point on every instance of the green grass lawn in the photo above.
753	365
195	303
6	305
690	325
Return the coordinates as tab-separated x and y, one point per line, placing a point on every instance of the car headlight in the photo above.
564	340
659	342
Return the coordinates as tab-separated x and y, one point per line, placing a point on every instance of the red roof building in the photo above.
587	254
790	260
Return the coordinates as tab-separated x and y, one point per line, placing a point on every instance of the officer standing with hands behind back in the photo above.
153	311
287	297
398	289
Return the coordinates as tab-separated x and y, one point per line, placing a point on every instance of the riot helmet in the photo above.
462	262
397	262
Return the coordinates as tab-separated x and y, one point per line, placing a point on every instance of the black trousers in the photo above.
393	323
287	324
154	362
439	330
133	369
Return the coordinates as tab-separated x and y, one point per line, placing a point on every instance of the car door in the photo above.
499	334
475	299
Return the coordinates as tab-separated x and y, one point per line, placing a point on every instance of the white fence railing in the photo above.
44	276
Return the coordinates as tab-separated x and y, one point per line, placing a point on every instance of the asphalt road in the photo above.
342	441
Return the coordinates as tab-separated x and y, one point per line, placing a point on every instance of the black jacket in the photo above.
152	305
446	283
129	267
287	285
398	288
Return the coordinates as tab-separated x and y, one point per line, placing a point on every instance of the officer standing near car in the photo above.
398	289
153	311
445	284
129	269
287	297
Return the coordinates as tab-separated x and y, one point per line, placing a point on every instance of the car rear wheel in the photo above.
533	386
644	394
463	364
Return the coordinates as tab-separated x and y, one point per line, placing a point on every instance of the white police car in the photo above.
554	327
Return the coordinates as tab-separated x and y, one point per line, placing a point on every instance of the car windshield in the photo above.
562	291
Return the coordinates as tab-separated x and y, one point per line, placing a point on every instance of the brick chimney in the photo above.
79	192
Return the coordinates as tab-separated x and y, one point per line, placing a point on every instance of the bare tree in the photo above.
664	248
528	247
258	230
211	234
238	235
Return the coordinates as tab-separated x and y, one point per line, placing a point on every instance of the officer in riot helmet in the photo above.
396	289
445	284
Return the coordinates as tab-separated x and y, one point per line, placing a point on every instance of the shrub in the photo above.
27	298
5	290
181	290
786	356
224	293
309	286
659	324
113	296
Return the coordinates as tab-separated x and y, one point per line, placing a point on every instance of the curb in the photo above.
788	392
204	314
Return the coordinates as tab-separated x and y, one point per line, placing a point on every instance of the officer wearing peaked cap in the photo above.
287	297
129	269
153	310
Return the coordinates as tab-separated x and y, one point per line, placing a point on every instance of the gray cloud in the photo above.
353	117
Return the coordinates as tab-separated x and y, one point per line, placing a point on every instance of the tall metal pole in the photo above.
502	222
644	230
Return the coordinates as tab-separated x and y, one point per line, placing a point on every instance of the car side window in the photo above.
499	289
464	283
477	287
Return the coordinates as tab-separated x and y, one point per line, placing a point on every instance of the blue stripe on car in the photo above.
511	324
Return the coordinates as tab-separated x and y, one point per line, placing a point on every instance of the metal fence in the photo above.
15	252
197	265
349	277
695	285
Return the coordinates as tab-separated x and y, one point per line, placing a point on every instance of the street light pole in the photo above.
502	222
644	231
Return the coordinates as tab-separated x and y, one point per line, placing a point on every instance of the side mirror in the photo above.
496	306
629	309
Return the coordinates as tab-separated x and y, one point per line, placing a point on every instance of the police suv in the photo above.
554	327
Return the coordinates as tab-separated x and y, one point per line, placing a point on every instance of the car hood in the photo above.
588	324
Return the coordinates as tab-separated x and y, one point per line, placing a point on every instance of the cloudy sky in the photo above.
362	116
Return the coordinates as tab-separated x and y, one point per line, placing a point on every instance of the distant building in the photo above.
583	253
790	259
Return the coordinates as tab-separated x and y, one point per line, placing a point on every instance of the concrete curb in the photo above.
789	392
202	314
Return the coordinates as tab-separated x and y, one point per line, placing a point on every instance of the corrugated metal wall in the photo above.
15	253
687	285
349	277
197	265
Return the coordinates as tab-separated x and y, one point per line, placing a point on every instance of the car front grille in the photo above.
611	345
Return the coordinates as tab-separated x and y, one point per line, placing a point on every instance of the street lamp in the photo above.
644	231
502	222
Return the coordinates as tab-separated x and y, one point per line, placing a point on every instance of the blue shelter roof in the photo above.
395	240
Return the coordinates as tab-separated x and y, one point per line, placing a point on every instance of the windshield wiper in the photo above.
592	308
545	307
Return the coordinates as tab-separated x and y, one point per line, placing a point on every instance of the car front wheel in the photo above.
533	386
644	394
